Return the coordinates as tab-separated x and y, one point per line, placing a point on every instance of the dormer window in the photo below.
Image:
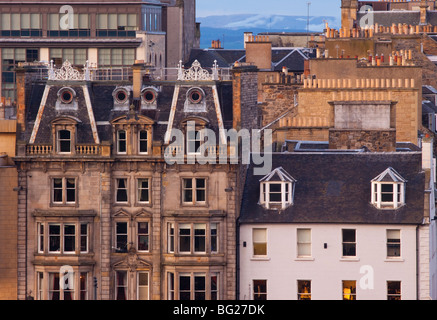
388	190
277	189
66	99
64	141
121	97
195	100
64	134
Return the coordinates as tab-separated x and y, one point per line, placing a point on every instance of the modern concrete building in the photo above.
111	34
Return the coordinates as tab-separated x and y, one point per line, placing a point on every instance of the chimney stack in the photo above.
137	78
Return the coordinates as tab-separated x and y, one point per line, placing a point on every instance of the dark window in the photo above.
121	195
143	236
184	287
54	238
349	243
69	238
121	236
143	141
64	141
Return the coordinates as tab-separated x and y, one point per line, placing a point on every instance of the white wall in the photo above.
326	269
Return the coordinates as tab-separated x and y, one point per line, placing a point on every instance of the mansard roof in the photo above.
335	187
95	112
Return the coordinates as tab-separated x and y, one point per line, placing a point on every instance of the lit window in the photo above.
388	190
259	242
277	189
303	290
259	289
394	290
349	290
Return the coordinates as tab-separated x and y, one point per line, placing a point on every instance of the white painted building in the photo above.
339	225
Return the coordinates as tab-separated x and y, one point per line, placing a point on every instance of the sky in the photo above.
279	7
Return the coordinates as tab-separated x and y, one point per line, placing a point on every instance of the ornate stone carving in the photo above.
196	72
67	72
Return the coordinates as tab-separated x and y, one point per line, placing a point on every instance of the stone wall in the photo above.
374	140
8	233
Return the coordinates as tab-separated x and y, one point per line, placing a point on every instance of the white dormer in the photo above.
388	190
277	189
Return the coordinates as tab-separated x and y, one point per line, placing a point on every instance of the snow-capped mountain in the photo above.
230	28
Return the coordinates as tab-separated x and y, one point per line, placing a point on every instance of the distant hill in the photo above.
230	28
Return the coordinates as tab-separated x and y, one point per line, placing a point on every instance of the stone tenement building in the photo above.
99	197
8	205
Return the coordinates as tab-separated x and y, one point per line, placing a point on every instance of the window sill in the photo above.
260	259
397	259
351	259
304	259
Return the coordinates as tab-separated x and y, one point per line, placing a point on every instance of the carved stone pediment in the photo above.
131	262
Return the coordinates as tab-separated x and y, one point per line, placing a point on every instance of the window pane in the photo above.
349	245
259	242
69	238
304	290
143	190
200	237
214	247
121	236
143	286
304	242
84	237
54	290
121	190
184	238
121	284
393	290
393	243
54	238
143	236
260	289
184	287
349	290
199	288
57	190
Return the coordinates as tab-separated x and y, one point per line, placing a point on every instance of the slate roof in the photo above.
387	18
102	103
292	58
336	188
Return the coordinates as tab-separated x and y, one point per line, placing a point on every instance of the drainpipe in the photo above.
237	252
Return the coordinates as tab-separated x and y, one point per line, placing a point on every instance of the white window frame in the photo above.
143	234
140	188
59	141
194	190
256	241
146	286
398	194
126	188
64	191
286	196
301	243
398	243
